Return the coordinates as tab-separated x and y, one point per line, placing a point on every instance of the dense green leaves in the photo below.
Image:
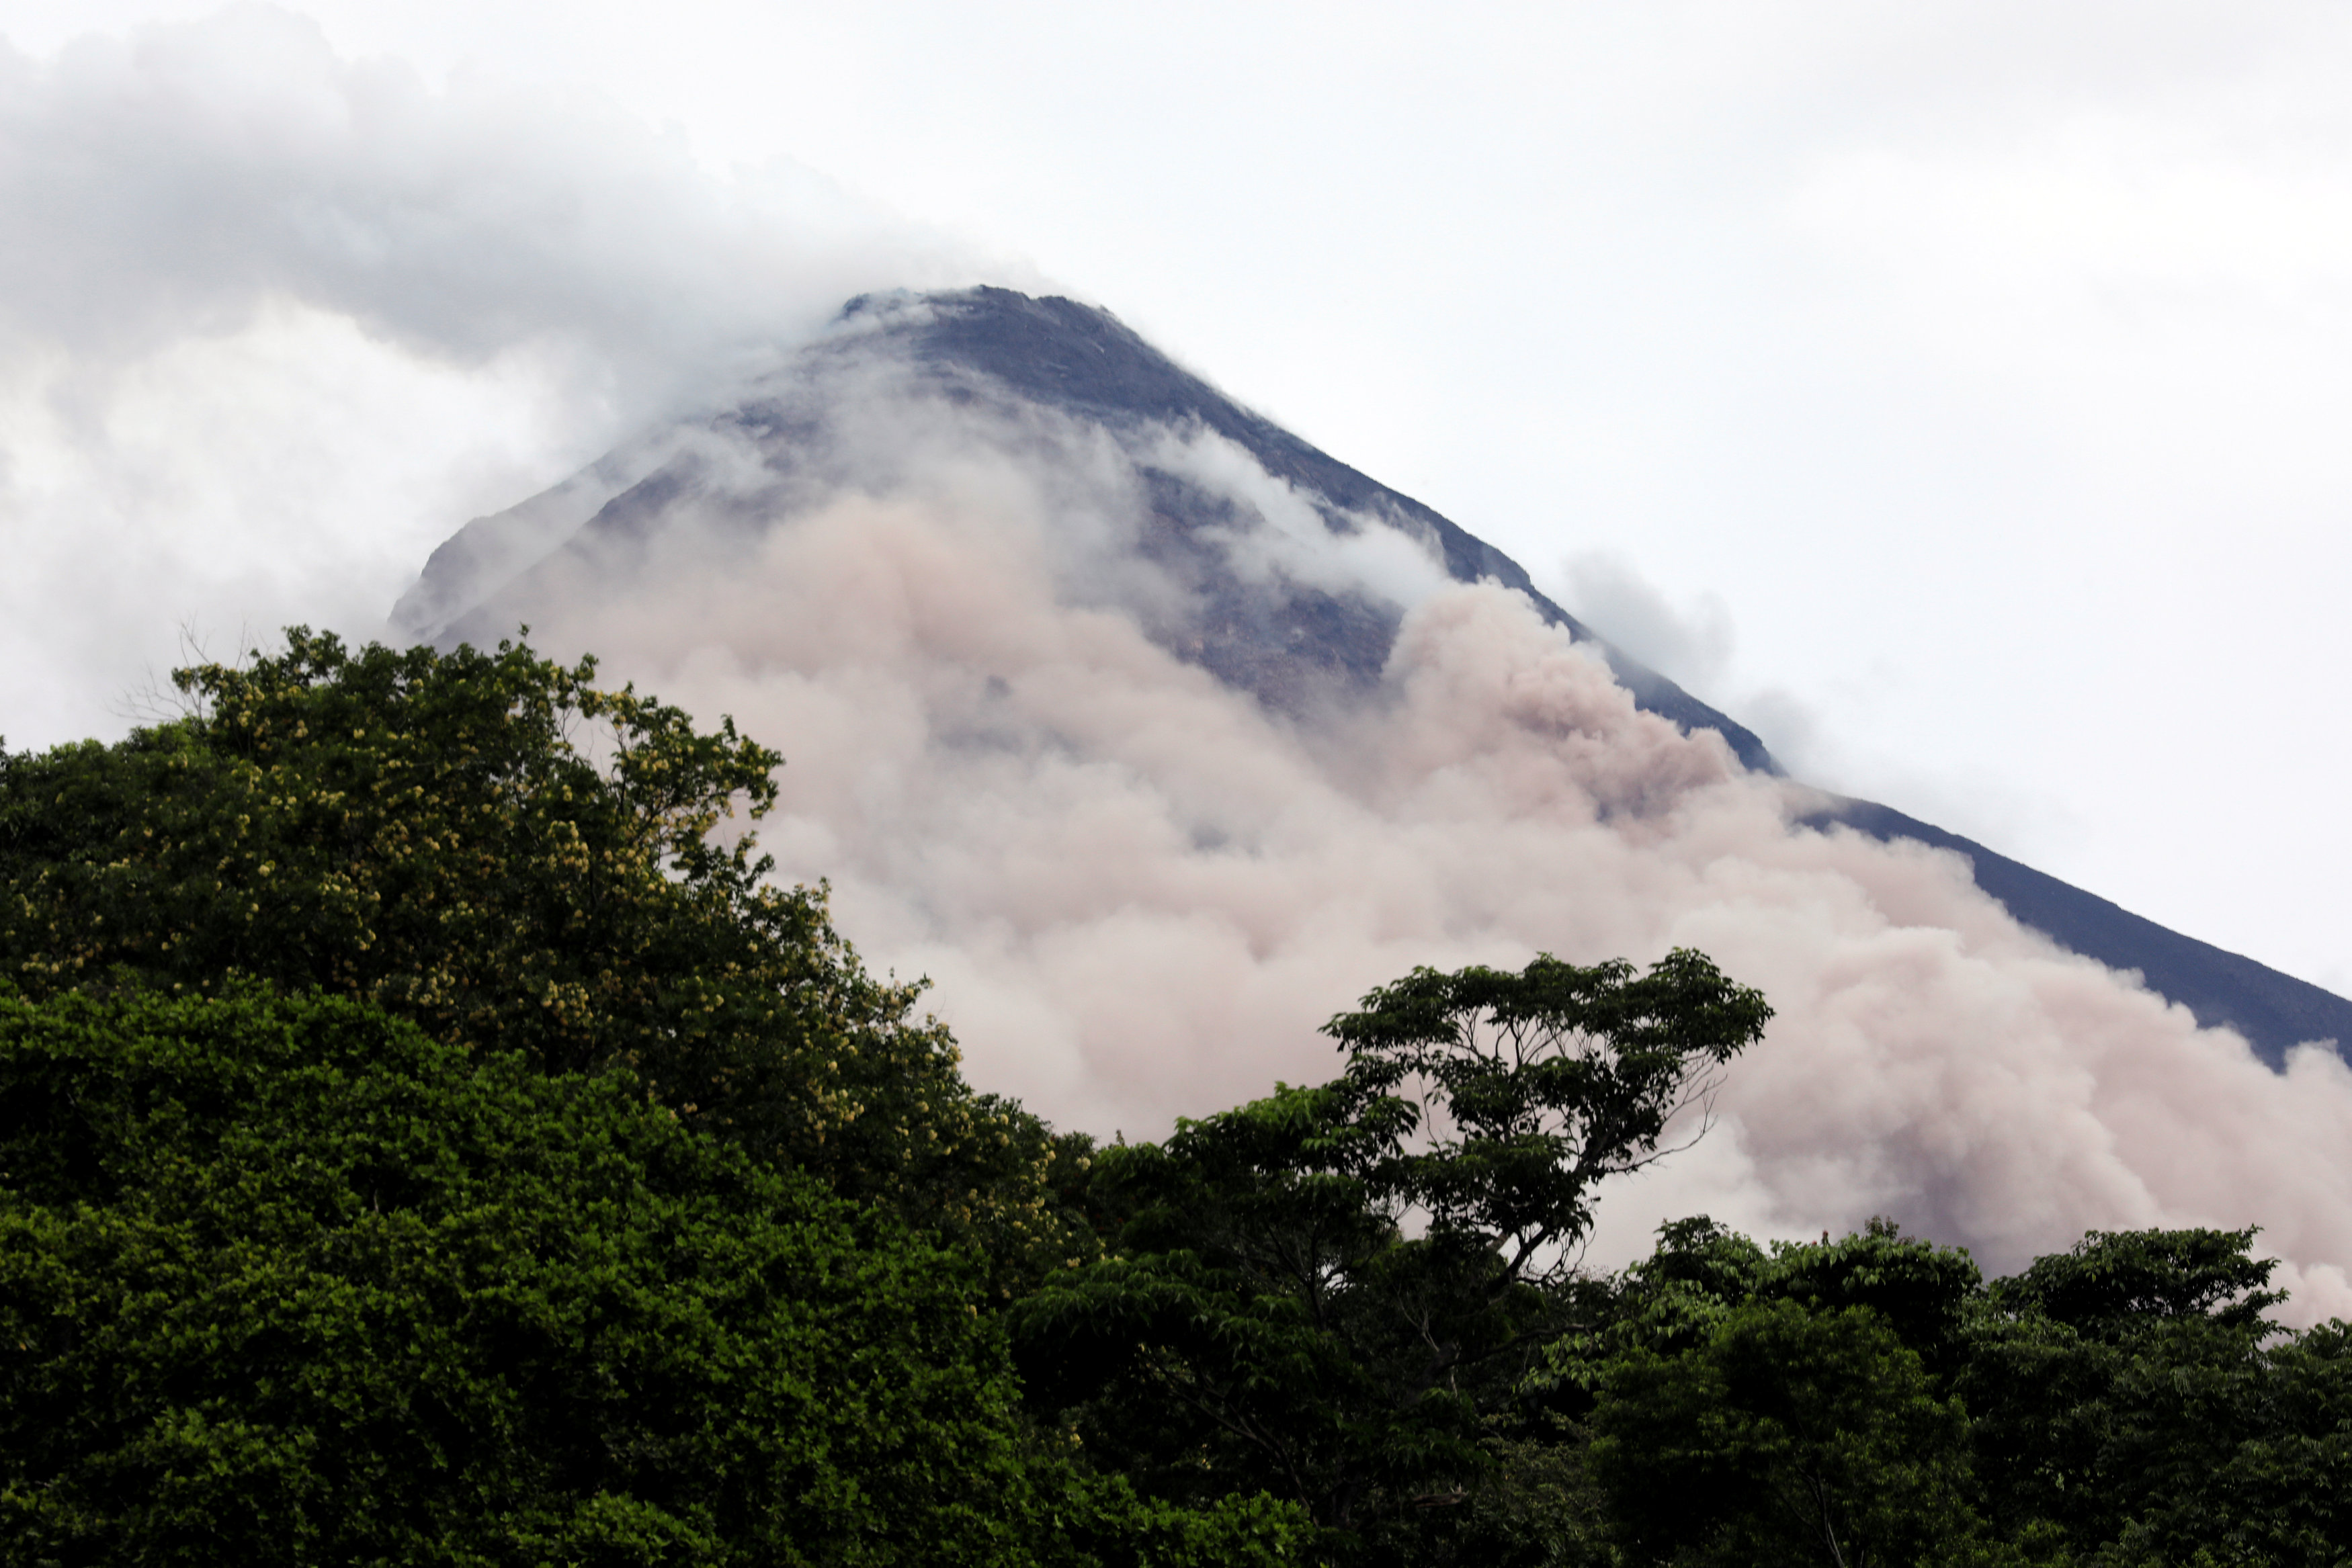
1876	1375
667	1239
494	847
1923	1292
1267	1315
2117	1285
419	830
1236	1342
286	1281
425	1137
1788	1433
1530	1088
2130	1401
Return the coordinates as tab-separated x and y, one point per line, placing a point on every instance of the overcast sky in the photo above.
1957	394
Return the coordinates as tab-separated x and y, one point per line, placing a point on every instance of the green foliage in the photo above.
1701	1272
1530	1088
421	832
2160	1420
1789	1434
1780	1405
2219	1445
1923	1292
2114	1284
2131	1401
1238	1343
425	1135
284	1281
493	847
1098	1521
1265	1320
1670	1301
1534	1505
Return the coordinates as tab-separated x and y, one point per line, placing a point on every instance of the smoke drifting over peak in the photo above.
1139	888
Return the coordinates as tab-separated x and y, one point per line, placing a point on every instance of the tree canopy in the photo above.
493	846
1873	1399
1787	1433
284	1281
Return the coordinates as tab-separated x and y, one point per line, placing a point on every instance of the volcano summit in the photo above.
1274	585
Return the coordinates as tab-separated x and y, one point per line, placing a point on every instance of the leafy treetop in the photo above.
494	847
2113	1283
1266	1315
283	1280
1530	1088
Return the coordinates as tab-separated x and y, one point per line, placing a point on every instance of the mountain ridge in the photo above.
1292	645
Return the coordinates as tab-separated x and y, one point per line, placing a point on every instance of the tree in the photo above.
284	1281
1923	1292
2132	1400
1240	1339
1780	1405
2115	1284
1788	1435
515	859
2123	1403
1267	1318
1528	1089
1499	1101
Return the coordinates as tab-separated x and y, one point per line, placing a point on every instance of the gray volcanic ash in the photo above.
1154	735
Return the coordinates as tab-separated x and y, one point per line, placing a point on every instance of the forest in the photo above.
428	1135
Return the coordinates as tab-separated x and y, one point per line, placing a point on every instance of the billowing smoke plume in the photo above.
1138	891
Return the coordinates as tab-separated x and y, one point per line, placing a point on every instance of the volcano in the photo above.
1237	547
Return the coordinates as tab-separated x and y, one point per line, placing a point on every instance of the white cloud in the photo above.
272	319
179	177
1281	532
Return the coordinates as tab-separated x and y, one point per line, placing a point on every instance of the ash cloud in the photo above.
1139	890
271	316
